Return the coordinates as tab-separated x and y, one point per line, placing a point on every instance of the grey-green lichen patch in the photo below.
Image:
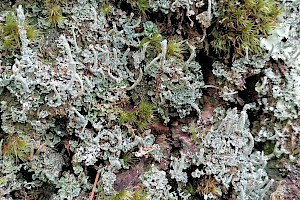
132	92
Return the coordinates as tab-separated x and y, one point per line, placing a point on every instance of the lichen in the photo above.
145	99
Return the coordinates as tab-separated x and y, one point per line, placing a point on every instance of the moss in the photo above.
142	115
106	9
193	131
154	46
9	31
189	189
145	111
16	147
122	195
176	47
139	195
141	6
127	158
239	26
54	14
128	195
127	117
208	185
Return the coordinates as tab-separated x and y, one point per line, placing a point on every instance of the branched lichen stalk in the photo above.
139	79
193	53
18	77
95	65
22	31
164	44
72	66
74	39
153	61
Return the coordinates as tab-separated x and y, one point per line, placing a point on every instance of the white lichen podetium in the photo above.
27	53
230	145
72	66
242	123
22	31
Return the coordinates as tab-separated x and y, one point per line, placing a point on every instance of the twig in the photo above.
95	185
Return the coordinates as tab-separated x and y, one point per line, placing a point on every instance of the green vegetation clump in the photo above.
127	117
128	195
154	46
9	32
16	147
106	9
240	24
140	5
176	47
141	116
54	13
144	114
122	195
